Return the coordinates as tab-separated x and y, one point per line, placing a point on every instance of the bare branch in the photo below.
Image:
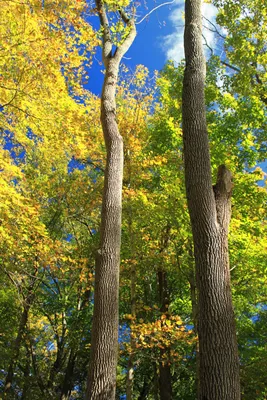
206	44
154	9
214	26
230	66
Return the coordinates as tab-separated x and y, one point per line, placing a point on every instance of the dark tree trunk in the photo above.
131	361
145	389
165	377
130	366
104	349
27	302
210	215
156	383
165	383
16	349
27	370
68	378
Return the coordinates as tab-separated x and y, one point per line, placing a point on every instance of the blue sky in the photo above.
159	38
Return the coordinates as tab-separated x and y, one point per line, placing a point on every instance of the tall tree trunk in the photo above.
210	215
102	378
104	349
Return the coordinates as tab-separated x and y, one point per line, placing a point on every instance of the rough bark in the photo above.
210	214
104	349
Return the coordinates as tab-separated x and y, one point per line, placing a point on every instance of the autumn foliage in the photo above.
52	162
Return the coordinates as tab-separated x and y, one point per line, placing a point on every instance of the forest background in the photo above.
52	163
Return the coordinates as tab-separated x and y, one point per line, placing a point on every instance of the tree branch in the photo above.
230	66
107	41
214	26
123	48
206	44
154	9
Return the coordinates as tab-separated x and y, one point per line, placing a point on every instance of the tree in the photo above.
104	351
52	166
209	210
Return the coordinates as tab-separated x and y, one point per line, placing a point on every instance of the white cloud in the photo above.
172	45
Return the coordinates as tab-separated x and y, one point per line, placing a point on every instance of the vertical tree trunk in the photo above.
102	377
165	377
27	370
16	349
145	389
210	214
130	367
156	383
68	378
27	302
104	349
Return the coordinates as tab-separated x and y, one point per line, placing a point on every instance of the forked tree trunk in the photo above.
210	215
104	349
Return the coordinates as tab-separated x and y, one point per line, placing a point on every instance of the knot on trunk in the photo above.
224	184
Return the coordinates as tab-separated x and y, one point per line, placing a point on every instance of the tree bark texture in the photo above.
104	348
209	210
